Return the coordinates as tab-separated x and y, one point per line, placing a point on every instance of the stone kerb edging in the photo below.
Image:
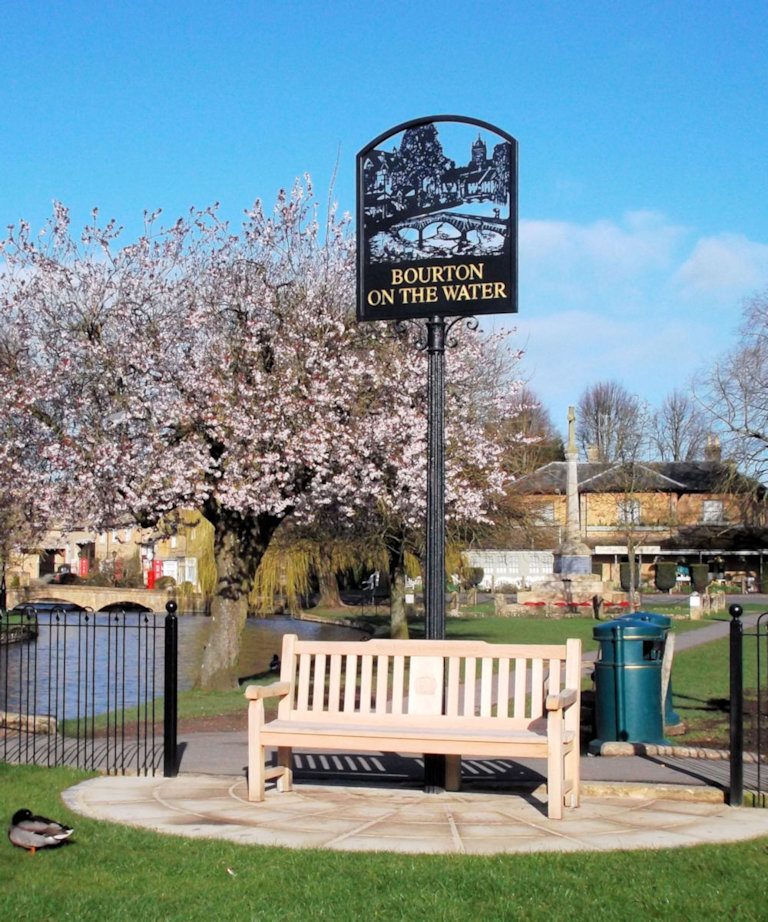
666	751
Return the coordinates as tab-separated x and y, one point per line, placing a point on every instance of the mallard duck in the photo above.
33	832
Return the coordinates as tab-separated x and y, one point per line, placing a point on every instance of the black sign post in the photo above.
437	238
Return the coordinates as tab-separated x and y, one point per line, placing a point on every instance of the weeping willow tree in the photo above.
201	546
297	564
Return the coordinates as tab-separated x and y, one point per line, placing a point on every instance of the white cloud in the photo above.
641	300
570	258
727	266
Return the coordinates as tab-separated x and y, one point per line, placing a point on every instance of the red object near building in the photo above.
83	566
150	579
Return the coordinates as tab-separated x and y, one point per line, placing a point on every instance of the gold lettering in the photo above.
450	292
380	296
427	274
419	295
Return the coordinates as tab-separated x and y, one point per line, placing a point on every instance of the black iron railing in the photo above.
84	689
756	644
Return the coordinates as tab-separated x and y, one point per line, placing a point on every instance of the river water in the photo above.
92	663
262	639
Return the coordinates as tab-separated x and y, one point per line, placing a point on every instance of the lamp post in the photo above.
434	339
434	595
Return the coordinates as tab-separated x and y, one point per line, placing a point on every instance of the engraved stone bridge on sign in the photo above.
464	223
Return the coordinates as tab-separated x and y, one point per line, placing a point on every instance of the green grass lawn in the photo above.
115	873
701	694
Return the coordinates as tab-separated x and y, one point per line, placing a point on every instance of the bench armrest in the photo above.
275	690
562	700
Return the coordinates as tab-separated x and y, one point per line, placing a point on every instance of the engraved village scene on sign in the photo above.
437	208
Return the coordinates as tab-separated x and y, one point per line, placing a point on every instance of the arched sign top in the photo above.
429	119
437	220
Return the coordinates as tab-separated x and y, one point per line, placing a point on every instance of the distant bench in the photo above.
445	697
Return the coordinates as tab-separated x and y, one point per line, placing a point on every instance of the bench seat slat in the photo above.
368	737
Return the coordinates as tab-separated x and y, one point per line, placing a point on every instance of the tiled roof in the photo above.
640	477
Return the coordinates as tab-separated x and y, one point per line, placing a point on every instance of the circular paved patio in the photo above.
402	820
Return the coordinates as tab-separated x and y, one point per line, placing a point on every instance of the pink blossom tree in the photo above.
204	369
392	450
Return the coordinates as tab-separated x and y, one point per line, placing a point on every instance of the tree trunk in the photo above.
327	583
397	613
239	544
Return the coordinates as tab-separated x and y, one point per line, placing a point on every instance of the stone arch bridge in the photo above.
92	597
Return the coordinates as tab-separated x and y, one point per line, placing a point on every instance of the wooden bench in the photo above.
422	696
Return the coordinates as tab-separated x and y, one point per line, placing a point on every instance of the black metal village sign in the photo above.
437	221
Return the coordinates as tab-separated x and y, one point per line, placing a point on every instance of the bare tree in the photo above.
529	437
678	430
612	420
735	392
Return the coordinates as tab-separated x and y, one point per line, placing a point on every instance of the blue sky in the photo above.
642	129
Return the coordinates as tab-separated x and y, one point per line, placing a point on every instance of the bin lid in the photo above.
626	629
649	617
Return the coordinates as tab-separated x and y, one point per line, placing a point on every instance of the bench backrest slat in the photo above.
350	682
366	673
382	684
520	687
454	685
444	679
398	674
486	687
502	695
537	686
470	685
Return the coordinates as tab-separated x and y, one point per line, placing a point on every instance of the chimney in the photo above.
592	453
712	451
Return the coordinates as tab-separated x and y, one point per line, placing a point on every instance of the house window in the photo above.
712	511
545	512
629	512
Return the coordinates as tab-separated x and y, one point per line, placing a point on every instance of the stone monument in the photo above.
572	556
573	585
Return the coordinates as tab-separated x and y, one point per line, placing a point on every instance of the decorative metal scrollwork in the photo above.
404	328
470	323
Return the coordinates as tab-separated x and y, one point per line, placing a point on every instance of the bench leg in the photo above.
555	790
256	767
256	773
555	766
573	775
284	760
453	773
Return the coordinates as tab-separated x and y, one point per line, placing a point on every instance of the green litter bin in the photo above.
671	717
628	682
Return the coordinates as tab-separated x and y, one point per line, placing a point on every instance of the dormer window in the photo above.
629	512
712	511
